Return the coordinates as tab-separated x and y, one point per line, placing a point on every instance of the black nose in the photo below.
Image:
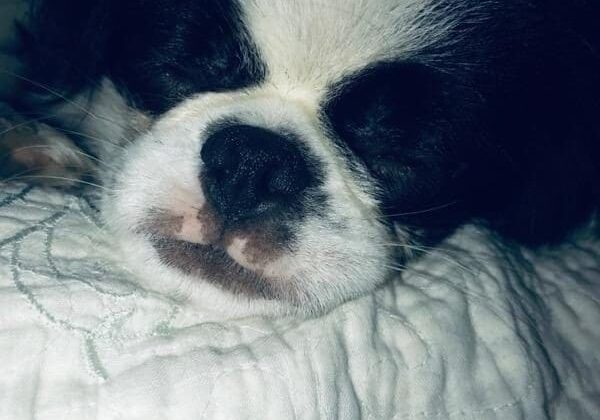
249	171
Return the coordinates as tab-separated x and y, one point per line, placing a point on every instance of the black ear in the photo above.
549	122
64	44
557	192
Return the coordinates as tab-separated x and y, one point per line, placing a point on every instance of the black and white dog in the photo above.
284	155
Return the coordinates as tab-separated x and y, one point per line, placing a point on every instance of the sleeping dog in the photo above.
286	155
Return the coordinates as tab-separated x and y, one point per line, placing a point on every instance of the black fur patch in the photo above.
157	52
403	121
503	125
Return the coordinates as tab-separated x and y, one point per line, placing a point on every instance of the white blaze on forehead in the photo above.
312	43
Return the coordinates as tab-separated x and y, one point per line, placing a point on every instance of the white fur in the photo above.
309	45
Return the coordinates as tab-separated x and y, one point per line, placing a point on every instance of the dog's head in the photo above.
293	154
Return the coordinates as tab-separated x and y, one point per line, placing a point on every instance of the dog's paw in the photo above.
36	153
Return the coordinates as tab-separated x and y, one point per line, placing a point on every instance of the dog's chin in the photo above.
217	266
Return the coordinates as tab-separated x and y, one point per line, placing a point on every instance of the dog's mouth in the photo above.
215	265
241	259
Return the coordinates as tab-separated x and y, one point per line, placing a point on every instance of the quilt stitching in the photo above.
107	328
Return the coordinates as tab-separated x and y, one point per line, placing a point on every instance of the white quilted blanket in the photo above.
460	337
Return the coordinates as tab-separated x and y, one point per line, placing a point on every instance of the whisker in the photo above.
76	151
47	89
80	107
90	137
428	210
442	253
24	123
17	176
397	267
23	176
485	258
62	178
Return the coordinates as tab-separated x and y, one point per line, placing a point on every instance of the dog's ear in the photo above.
549	122
64	44
557	191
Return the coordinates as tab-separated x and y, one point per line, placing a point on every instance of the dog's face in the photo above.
289	155
268	166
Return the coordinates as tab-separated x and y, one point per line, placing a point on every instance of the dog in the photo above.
286	156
